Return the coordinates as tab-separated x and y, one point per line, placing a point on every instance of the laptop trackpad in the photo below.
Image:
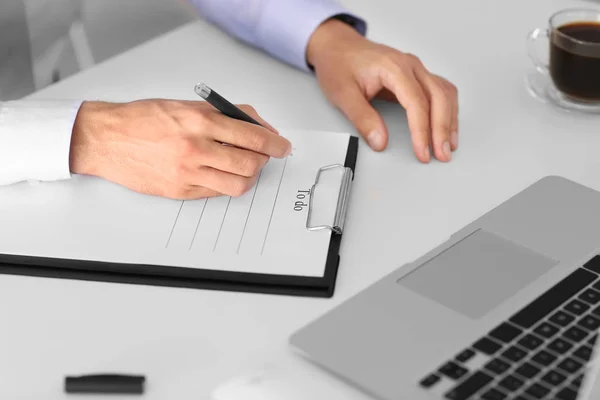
478	273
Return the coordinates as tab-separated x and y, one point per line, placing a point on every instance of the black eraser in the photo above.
105	384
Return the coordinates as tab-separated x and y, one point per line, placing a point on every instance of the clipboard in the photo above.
182	277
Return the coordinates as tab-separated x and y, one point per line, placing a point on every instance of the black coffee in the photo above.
575	64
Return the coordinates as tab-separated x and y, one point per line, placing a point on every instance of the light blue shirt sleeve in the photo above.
282	28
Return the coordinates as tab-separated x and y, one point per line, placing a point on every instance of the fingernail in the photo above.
427	154
375	140
447	150
454	139
288	152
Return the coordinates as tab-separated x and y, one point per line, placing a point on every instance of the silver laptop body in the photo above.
475	316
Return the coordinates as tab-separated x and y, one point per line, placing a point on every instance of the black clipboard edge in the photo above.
157	275
166	281
352	154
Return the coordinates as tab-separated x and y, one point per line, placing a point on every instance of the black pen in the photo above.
221	104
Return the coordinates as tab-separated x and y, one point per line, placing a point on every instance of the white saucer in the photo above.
542	88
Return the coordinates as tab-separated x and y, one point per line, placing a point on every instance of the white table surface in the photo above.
188	341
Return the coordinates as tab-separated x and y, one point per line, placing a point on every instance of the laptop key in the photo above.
514	354
554	378
575	334
546	330
577	307
469	386
430	380
530	342
592	340
590	296
577	381
493	394
566	394
505	332
593	264
528	370
487	346
560	346
589	322
553	298
544	358
596	311
537	391
561	318
511	383
453	370
465	355
569	365
497	366
584	353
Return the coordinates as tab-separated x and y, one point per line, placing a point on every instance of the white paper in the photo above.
263	231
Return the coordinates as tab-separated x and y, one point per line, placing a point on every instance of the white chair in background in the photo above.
59	44
42	41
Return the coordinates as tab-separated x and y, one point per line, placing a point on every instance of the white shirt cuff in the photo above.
35	140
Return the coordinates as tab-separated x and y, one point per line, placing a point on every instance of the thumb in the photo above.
248	109
353	103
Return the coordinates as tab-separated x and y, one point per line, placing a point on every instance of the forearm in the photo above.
282	28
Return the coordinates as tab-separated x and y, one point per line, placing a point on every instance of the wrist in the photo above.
330	33
86	140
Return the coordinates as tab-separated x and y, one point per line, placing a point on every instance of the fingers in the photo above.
454	123
451	94
254	114
234	160
224	182
442	110
196	192
386	95
223	170
251	137
407	89
358	110
431	104
454	129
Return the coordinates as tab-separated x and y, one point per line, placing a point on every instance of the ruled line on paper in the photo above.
198	224
274	204
249	211
222	223
174	224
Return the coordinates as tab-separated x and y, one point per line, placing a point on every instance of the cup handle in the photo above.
532	39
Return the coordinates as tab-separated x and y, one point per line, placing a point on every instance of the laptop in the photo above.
507	308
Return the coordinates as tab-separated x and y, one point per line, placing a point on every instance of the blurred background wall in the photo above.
44	41
114	26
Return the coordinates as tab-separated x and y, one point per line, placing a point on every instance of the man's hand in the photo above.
172	148
353	70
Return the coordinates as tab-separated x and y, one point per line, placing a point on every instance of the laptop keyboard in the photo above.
538	353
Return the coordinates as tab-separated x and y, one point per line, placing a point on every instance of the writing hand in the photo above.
172	148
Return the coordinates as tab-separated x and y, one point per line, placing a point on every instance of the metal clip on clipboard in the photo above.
337	226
